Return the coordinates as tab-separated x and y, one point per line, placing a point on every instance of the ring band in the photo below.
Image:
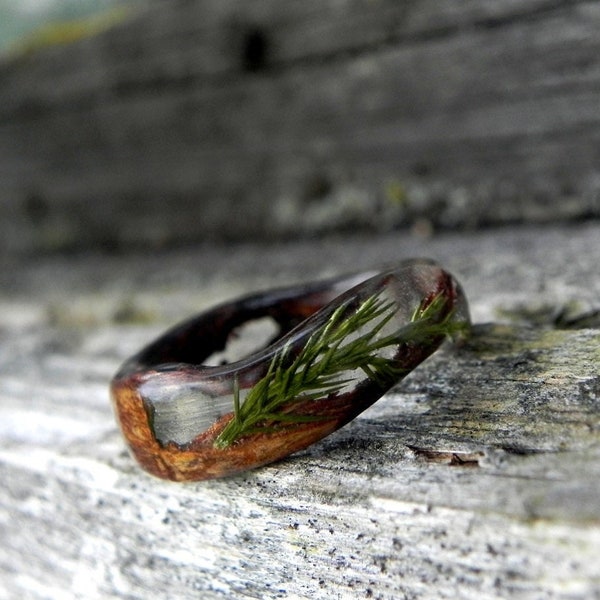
340	345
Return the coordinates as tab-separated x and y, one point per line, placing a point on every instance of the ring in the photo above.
339	346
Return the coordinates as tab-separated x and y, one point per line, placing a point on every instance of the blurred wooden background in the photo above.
202	149
229	119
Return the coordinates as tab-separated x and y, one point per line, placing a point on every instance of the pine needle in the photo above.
326	363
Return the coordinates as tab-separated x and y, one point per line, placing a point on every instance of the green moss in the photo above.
129	313
396	193
570	315
537	315
538	352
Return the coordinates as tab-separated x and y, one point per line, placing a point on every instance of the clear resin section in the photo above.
368	338
351	348
180	415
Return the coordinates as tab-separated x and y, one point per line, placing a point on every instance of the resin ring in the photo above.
339	346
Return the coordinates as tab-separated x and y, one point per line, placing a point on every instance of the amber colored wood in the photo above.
202	460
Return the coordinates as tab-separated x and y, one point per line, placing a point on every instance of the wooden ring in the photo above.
340	345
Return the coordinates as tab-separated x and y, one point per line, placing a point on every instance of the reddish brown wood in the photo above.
166	364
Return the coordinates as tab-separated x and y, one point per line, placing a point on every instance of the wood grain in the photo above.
235	119
477	477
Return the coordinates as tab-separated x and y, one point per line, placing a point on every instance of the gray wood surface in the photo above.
477	477
236	118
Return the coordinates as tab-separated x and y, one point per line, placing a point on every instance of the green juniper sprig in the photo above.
325	363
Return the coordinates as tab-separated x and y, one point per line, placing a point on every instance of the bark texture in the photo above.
477	477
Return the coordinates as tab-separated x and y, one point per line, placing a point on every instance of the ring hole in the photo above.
245	340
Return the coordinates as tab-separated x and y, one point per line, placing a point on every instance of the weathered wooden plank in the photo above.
476	478
233	119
